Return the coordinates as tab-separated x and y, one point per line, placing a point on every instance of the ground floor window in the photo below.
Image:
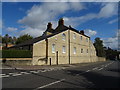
87	50
74	50
63	49
81	50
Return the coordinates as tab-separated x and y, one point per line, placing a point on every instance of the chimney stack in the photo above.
49	26
61	21
82	32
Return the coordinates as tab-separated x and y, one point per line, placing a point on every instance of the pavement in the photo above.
92	75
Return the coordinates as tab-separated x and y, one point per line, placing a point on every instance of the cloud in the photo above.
11	29
113	21
108	10
111	42
75	21
90	32
31	31
39	15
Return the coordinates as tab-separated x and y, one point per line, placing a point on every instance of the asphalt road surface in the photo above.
94	75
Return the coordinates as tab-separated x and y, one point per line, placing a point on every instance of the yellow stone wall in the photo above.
39	50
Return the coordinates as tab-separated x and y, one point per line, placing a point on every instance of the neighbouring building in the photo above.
63	45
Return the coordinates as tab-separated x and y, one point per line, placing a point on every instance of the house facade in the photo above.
63	45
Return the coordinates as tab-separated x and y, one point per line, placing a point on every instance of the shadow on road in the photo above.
97	80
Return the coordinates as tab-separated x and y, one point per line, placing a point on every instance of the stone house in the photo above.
63	45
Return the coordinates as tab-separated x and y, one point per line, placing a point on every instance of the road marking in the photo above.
25	73
35	72
16	74
43	71
11	73
95	68
102	65
4	76
100	69
106	65
77	74
50	84
87	70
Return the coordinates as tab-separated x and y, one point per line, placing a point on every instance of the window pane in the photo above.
63	49
63	36
74	51
74	36
86	39
53	48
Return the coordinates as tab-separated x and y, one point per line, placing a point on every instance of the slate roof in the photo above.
59	29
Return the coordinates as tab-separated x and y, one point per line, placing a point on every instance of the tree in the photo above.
5	40
99	47
112	54
23	38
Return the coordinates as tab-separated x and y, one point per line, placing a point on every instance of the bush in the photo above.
16	54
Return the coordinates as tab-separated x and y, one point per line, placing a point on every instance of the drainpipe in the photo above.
69	46
46	50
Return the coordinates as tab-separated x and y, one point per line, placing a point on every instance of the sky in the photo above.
97	19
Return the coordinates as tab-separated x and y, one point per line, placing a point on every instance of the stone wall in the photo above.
16	61
101	59
39	50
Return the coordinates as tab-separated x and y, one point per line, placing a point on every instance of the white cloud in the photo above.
31	31
111	42
113	21
108	10
11	29
39	15
75	21
90	32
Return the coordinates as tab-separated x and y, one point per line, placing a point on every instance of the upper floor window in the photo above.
80	37
63	49
53	48
86	39
74	36
81	50
63	36
74	50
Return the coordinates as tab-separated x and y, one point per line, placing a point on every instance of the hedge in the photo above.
16	54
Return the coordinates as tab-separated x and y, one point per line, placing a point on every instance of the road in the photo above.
93	75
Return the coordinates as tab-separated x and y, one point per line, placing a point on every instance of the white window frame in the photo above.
53	48
63	37
74	50
74	36
63	49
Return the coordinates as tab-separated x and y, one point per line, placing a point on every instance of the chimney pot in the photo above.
82	32
61	21
49	26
